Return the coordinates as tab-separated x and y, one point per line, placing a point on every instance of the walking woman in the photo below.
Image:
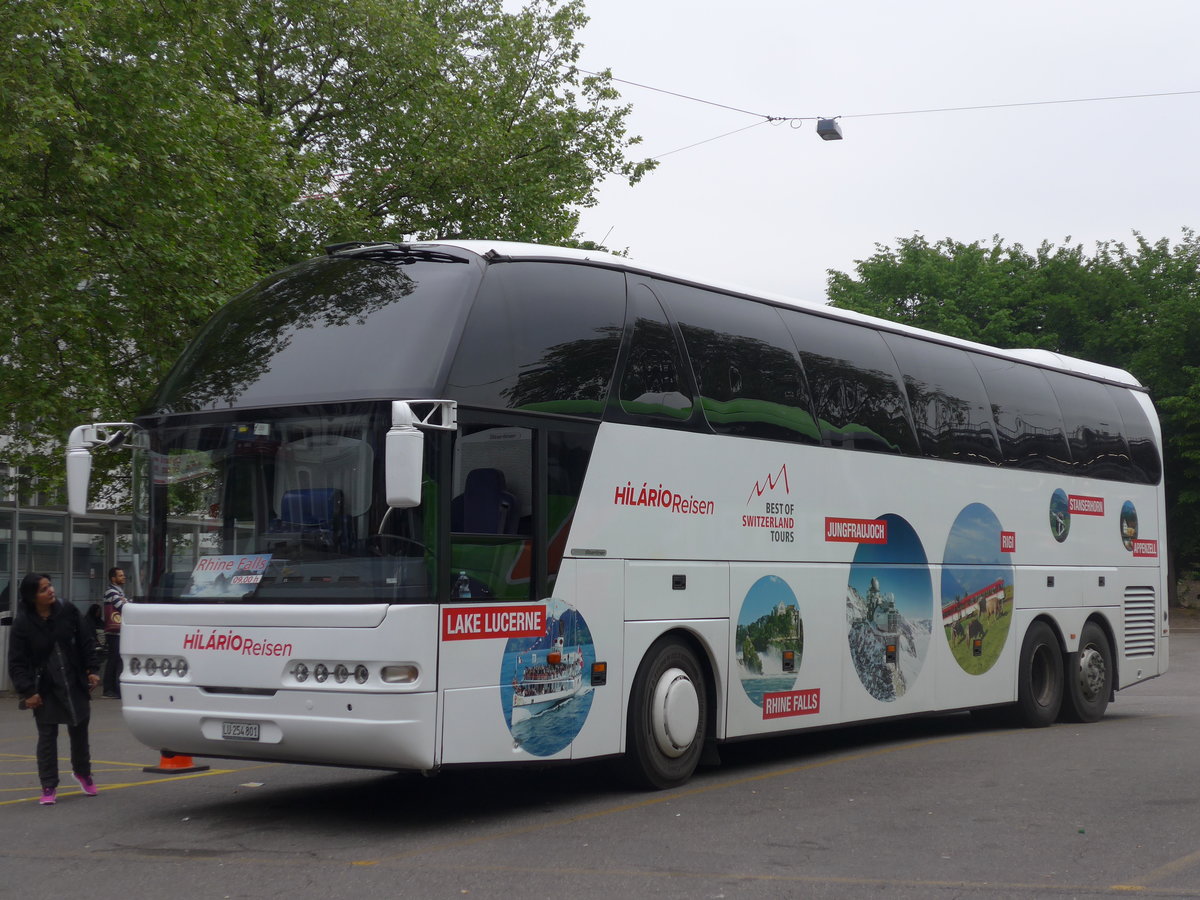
53	664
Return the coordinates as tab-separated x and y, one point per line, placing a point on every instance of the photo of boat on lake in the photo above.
545	690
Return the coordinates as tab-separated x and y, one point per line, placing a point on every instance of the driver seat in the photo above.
485	506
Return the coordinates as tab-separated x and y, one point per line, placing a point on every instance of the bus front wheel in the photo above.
1040	679
1089	675
668	717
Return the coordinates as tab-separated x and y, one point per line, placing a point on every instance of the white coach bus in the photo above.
488	503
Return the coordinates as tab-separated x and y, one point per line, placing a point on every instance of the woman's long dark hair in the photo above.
29	590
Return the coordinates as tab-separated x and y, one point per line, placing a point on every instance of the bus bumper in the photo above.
380	731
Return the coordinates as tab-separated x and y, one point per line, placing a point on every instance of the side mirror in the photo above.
79	458
79	470
79	476
404	456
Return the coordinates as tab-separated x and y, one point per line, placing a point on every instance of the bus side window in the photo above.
1093	427
1145	463
485	365
541	336
504	539
567	455
950	408
748	375
1028	421
490	511
567	322
855	385
652	383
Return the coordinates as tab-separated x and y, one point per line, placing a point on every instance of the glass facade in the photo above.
75	551
91	548
8	585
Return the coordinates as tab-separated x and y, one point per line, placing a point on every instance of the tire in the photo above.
1089	676
668	717
1040	678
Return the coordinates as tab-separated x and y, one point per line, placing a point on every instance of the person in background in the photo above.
53	666
95	619
114	602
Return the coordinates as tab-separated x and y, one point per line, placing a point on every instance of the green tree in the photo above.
1137	308
130	195
158	157
1159	342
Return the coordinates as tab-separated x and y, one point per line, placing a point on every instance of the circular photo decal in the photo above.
977	590
544	693
1129	526
768	626
889	610
1060	515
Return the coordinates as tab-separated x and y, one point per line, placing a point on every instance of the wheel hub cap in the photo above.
676	713
1092	675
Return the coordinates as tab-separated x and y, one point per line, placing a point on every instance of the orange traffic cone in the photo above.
174	764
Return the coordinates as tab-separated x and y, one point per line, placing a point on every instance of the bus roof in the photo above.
1045	358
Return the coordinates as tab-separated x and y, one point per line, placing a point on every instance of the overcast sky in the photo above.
774	207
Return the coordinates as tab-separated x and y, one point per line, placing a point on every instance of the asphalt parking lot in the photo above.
939	807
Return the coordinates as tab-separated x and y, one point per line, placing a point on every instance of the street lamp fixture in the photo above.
829	129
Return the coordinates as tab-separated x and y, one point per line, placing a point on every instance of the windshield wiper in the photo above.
402	253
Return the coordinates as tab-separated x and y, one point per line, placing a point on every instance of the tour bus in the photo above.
484	503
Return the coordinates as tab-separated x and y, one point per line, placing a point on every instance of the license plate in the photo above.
239	731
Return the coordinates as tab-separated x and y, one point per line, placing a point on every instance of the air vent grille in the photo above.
1141	624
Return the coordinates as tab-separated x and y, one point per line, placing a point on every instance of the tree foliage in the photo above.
157	156
1135	306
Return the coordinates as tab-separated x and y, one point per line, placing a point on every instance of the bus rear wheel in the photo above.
668	717
1089	675
1040	678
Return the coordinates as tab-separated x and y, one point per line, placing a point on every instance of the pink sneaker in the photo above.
48	797
89	786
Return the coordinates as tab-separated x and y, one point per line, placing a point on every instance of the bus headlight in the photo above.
320	673
340	673
361	674
300	672
135	666
166	666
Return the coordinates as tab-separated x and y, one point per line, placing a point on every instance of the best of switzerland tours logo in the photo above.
776	517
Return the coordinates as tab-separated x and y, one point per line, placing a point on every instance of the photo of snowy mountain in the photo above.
889	611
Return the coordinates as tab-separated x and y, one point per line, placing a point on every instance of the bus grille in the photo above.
1140	622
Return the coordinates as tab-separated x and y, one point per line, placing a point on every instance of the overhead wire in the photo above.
709	140
916	112
676	94
904	112
765	118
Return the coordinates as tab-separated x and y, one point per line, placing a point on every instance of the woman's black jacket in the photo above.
31	643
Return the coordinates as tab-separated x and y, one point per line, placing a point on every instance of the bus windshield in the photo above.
292	511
